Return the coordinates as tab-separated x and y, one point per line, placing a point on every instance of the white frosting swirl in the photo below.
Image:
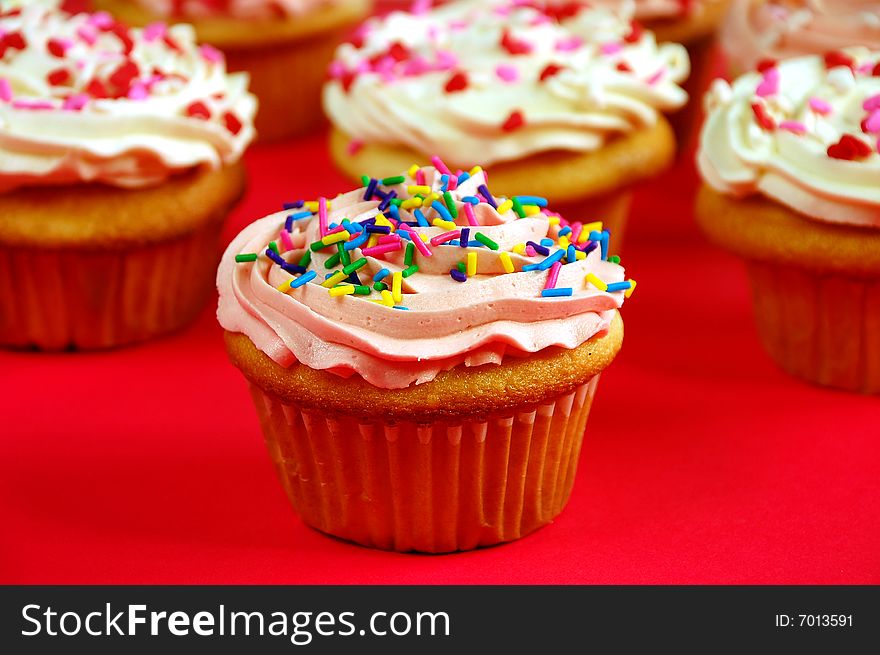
802	133
447	323
502	79
779	29
84	99
233	8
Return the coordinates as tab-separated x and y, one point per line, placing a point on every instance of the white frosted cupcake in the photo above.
565	102
285	45
119	160
790	158
757	30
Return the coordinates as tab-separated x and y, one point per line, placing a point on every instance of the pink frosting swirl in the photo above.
437	323
762	29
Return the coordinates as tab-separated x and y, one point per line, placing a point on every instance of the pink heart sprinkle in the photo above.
5	90
101	19
336	69
796	127
87	34
820	106
769	86
211	54
611	48
872	125
446	60
75	102
138	91
567	45
154	31
872	103
656	77
507	73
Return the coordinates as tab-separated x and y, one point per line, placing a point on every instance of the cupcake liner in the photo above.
821	327
612	209
56	299
432	488
287	78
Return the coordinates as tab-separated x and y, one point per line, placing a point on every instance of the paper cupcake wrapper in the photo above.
86	300
288	78
824	328
432	488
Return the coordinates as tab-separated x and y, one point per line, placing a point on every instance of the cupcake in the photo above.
790	163
119	159
423	355
757	30
563	101
285	45
694	24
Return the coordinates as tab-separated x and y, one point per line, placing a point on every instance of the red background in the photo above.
703	463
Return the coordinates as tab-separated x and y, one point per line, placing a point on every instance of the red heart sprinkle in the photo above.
766	64
232	123
198	110
837	58
96	89
347	79
515	121
550	71
849	148
398	51
635	33
122	77
58	76
56	48
763	118
458	82
513	46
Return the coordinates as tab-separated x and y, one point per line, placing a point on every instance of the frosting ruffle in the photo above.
504	79
803	132
457	306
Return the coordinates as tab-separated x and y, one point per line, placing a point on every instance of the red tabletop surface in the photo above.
703	463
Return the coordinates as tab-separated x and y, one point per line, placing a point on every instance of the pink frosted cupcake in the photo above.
423	355
757	30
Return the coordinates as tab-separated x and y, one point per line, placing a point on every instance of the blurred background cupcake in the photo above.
564	101
757	30
423	370
694	24
789	155
285	45
119	160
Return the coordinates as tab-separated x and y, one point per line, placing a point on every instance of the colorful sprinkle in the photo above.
471	264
